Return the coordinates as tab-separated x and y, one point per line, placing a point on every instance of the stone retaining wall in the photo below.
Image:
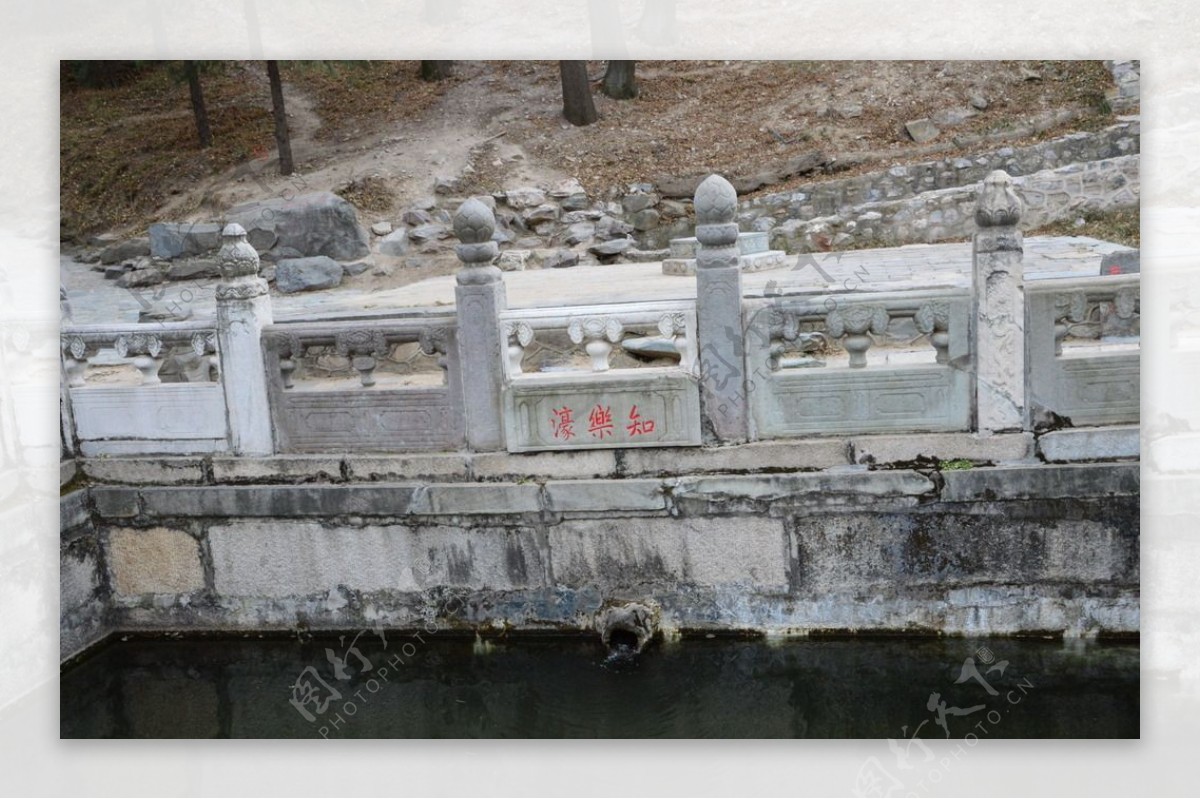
984	550
1050	195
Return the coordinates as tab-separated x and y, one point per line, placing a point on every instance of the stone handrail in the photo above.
144	345
598	329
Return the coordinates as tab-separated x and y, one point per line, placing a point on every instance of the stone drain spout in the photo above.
627	628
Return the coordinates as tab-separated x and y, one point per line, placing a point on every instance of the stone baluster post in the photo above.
719	311
479	300
243	309
998	305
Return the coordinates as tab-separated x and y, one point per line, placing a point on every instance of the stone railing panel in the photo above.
1083	350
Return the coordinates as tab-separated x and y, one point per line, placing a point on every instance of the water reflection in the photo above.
570	688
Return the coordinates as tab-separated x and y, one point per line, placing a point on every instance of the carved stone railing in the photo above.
859	362
379	400
143	413
563	391
1083	350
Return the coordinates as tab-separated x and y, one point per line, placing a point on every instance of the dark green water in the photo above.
450	688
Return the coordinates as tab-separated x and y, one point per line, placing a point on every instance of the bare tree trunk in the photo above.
282	140
578	107
435	70
619	82
193	79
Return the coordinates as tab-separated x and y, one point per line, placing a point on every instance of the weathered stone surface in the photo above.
173	239
307	274
1090	444
921	130
388	468
908	447
358	267
526	197
820	487
475	498
320	223
799	454
632	203
647	219
282	501
113	502
279	469
262	239
72	509
259	559
605	495
1121	262
144	471
575	202
154	561
546	212
125	250
381	228
563	465
616	556
1037	482
67	471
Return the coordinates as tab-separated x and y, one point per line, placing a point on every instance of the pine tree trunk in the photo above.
435	70
193	78
619	82
282	140
578	107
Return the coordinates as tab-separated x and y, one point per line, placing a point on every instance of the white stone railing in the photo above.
388	404
859	362
119	411
1083	351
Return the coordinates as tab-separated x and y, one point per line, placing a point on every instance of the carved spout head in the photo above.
999	205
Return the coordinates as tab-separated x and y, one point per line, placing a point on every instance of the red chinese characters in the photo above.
600	422
563	423
637	425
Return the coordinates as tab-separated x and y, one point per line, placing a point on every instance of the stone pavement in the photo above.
94	300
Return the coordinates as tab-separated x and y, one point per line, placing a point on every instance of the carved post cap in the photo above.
237	257
999	204
715	201
474	222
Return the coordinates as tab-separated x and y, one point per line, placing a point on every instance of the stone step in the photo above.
754	262
747	244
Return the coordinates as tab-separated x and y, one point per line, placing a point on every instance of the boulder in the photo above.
610	248
921	130
123	251
513	260
139	278
307	274
174	239
381	228
320	223
358	267
395	243
430	232
416	217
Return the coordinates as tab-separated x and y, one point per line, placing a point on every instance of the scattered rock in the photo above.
307	274
382	270
395	243
572	217
978	102
139	278
650	347
416	217
113	272
525	197
953	116
358	267
320	223
921	130
848	110
122	251
543	213
425	204
561	259
513	260
444	185
567	188
611	247
193	268
430	232
381	228
174	239
1029	74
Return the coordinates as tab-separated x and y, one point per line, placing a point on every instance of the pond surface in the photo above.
443	687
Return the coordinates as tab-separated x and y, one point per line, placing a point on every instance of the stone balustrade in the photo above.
1002	356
